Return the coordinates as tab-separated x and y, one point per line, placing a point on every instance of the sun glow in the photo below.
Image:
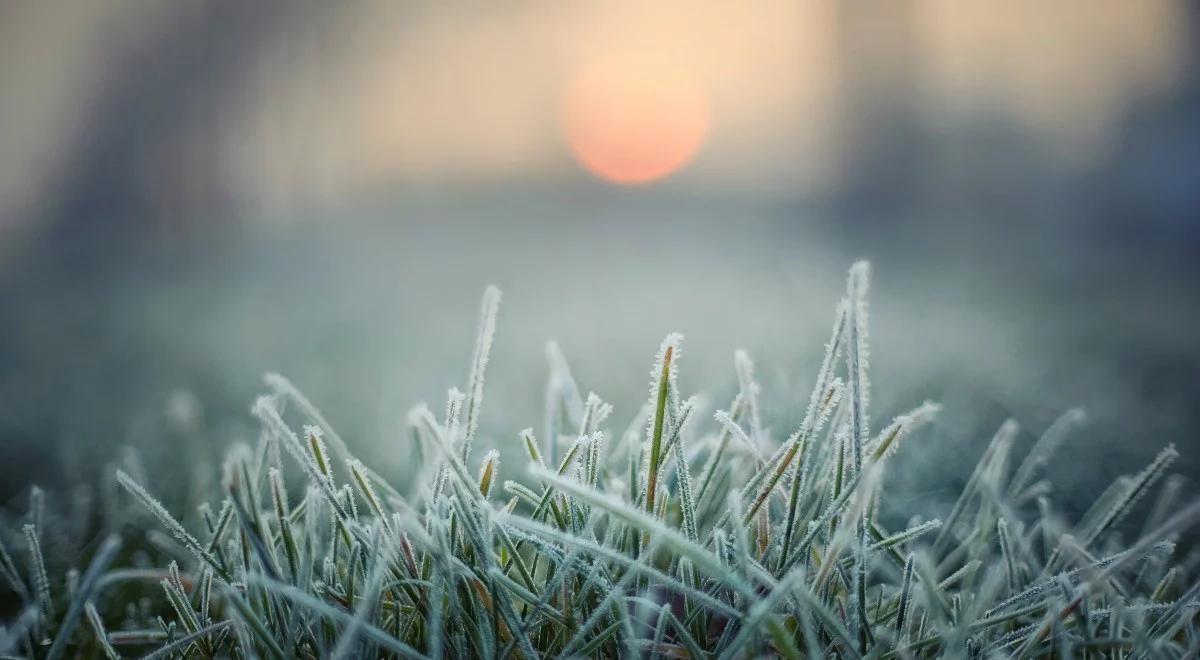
631	120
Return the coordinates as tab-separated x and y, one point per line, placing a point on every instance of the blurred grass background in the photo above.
194	193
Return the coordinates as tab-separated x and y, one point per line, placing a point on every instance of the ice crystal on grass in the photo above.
678	538
483	350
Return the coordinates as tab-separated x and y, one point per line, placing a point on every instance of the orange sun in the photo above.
634	121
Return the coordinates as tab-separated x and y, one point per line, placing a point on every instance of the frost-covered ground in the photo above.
372	314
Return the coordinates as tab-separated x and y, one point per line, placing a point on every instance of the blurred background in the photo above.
194	193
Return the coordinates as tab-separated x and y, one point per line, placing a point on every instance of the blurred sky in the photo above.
192	193
254	109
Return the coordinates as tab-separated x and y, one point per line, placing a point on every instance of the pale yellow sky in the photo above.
388	93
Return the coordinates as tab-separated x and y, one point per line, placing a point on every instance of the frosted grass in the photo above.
669	536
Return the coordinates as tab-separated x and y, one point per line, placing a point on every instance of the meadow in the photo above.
674	531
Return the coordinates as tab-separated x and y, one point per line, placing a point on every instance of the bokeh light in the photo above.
634	120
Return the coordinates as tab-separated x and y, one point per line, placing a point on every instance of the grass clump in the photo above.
673	539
